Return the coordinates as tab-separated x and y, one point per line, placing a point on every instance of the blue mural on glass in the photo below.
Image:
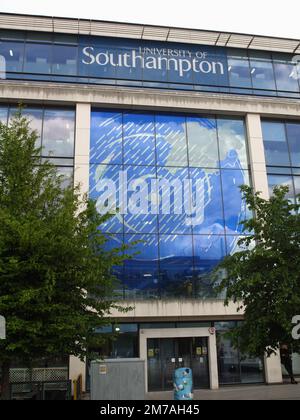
176	191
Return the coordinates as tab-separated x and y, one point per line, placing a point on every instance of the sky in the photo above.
259	17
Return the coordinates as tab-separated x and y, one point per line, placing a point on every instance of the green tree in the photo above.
56	284
264	278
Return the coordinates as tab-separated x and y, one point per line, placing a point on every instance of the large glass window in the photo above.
285	73
13	53
282	150
239	69
139	140
276	148
232	142
171	144
262	72
233	366
171	182
35	116
293	135
38	58
202	142
58	133
64	60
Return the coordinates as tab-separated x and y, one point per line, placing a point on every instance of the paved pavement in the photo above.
261	392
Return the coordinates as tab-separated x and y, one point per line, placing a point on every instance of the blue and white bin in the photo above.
183	384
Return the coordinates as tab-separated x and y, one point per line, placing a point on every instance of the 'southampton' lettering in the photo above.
180	61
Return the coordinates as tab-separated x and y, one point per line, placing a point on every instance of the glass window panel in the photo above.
239	69
262	71
126	328
275	170
141	272
157	325
202	142
125	346
176	264
64	60
235	208
233	245
59	162
273	131
58	133
171	144
139	141
104	187
232	143
174	200
129	70
35	116
3	114
282	180
67	175
13	53
115	242
297	186
150	72
140	199
106	138
293	134
65	39
38	58
286	74
39	36
207	217
276	148
92	48
15	35
209	251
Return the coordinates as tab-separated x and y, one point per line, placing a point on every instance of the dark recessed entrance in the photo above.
167	354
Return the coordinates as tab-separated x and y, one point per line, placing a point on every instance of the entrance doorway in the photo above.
164	355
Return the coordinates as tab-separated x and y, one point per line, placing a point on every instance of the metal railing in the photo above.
50	390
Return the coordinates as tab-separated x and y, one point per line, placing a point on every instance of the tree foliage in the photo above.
56	284
264	278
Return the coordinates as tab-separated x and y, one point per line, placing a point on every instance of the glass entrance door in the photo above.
167	354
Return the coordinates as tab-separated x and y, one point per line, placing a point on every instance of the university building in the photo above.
164	124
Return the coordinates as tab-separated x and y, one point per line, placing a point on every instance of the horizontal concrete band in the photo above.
178	310
147	99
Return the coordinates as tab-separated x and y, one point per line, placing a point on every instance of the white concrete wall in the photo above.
76	368
273	369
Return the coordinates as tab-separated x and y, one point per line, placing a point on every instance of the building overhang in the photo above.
147	32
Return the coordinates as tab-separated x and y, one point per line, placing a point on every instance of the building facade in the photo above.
161	126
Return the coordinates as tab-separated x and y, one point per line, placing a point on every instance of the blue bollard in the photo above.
183	384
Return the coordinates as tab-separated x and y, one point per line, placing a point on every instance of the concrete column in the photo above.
81	178
257	155
213	362
76	368
82	146
273	369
